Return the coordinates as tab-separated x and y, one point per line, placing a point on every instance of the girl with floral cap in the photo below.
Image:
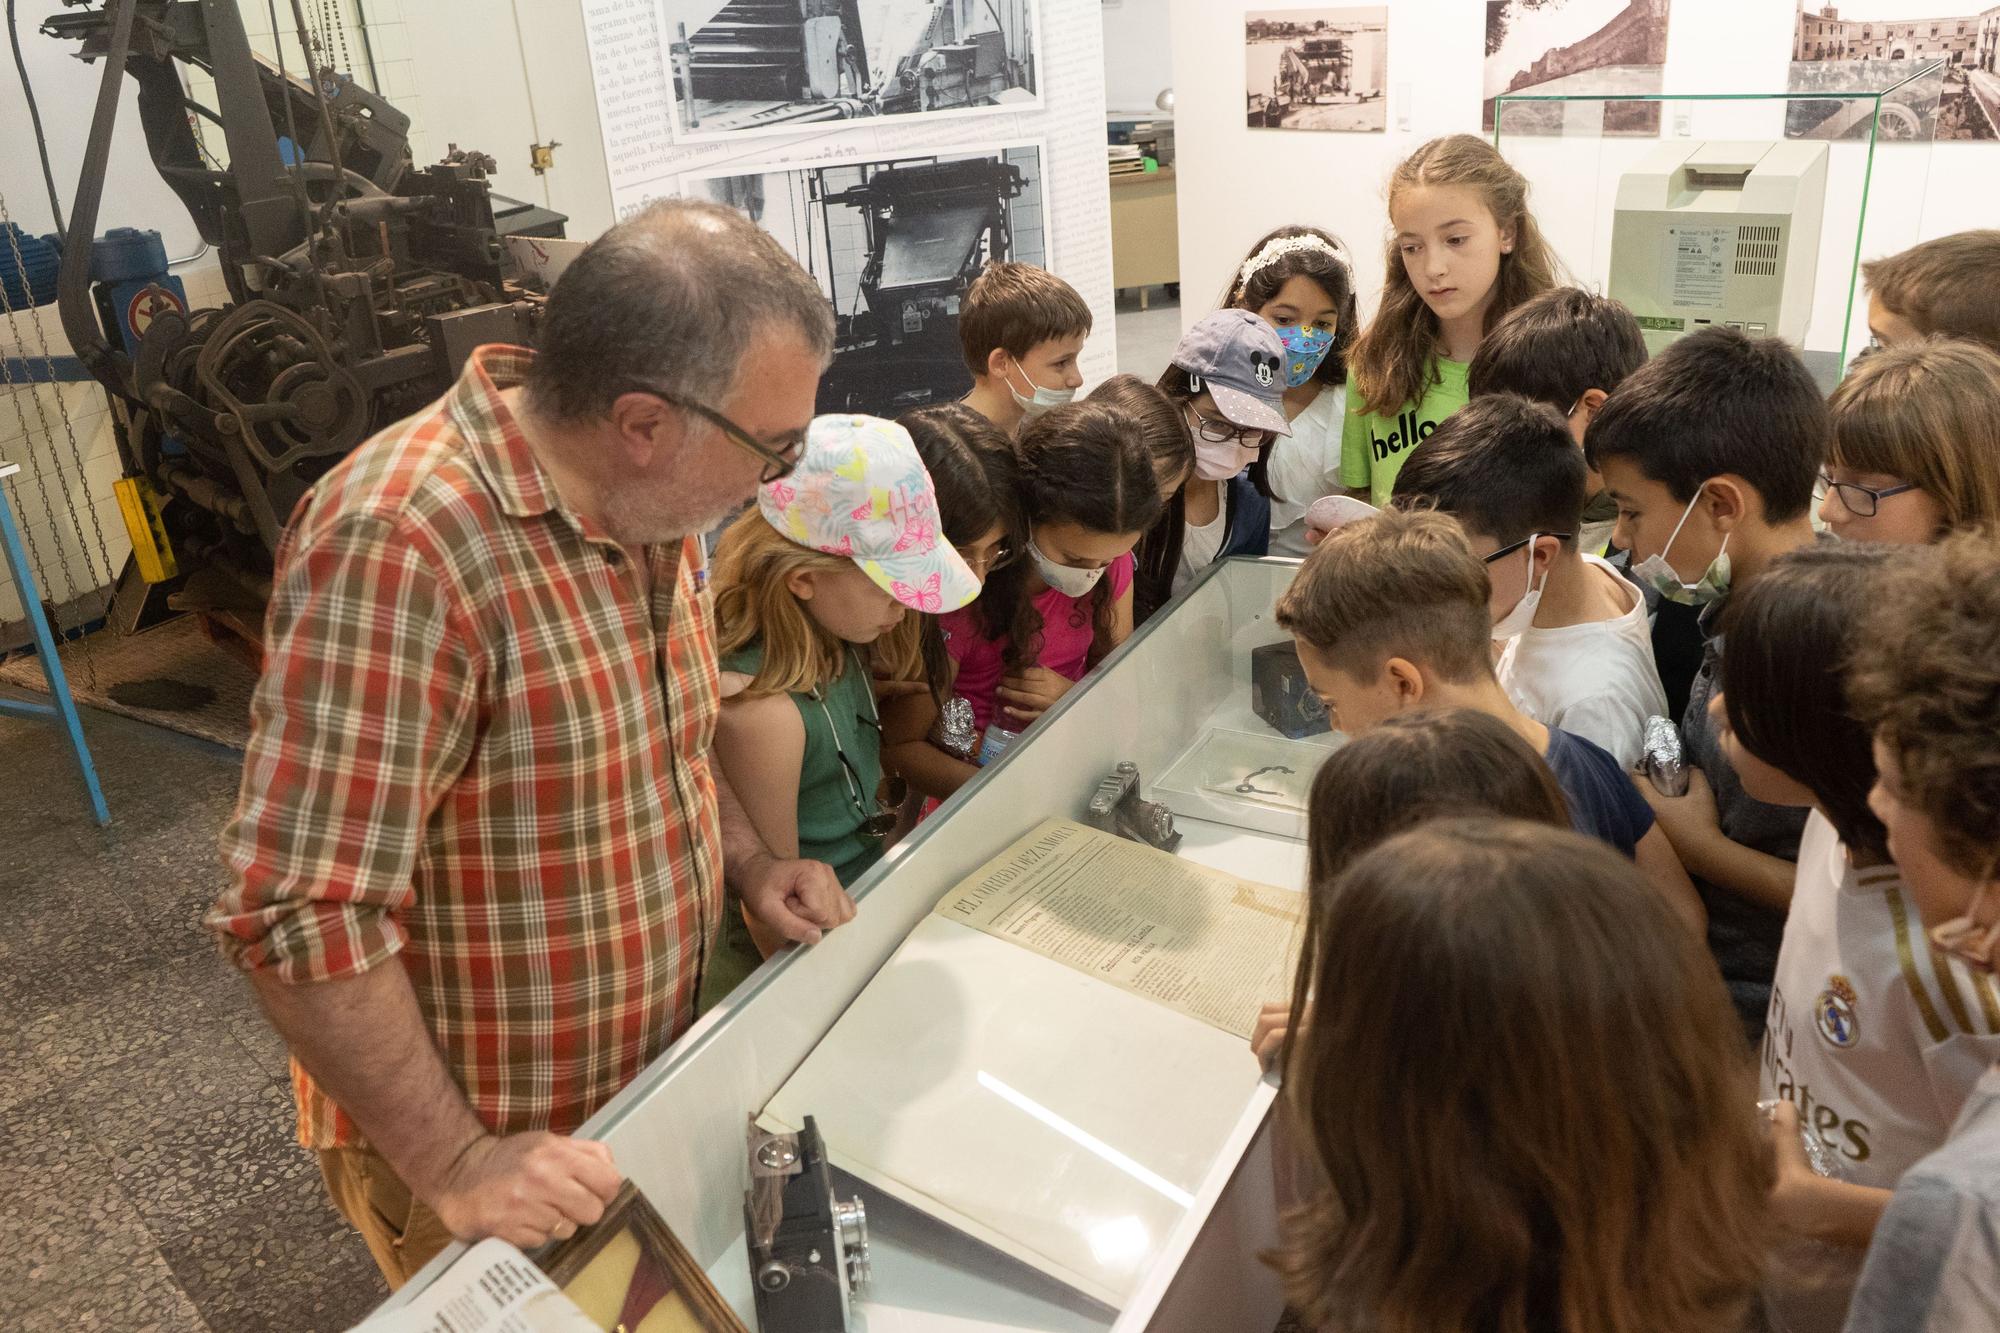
806	584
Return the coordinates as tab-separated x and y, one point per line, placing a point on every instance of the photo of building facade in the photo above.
1964	104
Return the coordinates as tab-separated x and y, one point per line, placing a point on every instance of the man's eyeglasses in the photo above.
1861	501
778	464
1511	547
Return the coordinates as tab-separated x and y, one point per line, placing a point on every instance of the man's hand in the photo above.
1033	692
1267	1038
1690	821
527	1189
795	899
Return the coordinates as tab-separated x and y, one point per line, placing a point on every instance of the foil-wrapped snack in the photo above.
1822	1159
1660	758
955	733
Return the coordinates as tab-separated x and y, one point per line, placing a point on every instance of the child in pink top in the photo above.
1088	493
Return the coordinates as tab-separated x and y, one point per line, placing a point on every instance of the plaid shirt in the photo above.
475	745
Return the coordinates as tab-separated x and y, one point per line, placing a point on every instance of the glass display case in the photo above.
1077	1141
1752	209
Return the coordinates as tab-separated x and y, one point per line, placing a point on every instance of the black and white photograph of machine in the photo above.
894	244
1943	73
750	66
1317	69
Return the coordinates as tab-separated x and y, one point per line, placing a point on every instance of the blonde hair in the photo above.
1395	360
754	602
1927	412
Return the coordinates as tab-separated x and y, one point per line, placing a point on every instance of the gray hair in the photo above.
671	299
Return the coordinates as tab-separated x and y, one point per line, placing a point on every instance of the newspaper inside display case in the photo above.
1126	1138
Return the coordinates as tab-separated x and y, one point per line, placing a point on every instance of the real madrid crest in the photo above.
1834	1015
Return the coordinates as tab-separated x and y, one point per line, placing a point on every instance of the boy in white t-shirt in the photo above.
1577	649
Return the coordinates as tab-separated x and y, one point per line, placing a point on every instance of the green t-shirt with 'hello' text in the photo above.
1373	445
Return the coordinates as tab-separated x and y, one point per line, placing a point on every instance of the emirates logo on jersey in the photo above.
1834	1014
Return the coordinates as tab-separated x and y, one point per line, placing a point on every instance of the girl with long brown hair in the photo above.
1526	1089
1464	251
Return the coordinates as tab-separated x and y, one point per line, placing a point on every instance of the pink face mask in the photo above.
1219	460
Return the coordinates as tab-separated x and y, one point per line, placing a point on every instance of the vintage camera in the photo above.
1281	695
1116	807
808	1250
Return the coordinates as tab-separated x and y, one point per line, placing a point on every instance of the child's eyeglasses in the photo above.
1511	547
778	463
998	558
1861	501
1216	430
881	821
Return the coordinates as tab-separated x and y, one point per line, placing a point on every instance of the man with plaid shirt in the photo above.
479	857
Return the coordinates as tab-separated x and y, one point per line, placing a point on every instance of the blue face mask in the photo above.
1304	349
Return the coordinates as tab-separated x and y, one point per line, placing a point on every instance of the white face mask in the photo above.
1965	939
1712	586
1522	616
1043	399
1065	579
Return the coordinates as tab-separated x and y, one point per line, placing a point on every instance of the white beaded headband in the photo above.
1278	249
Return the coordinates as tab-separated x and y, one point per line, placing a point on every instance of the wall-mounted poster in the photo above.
788	66
1878	44
894	244
1317	69
1550	47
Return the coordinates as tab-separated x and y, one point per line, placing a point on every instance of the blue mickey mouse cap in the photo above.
1238	359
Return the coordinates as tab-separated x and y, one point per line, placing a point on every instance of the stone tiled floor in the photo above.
146	1154
1146	338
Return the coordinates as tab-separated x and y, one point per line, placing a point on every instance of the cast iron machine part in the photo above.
358	281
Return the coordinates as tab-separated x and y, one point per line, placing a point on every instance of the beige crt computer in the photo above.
1720	233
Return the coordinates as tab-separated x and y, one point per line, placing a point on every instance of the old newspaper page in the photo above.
1199	941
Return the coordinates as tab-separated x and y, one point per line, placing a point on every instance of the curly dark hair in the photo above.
1926	678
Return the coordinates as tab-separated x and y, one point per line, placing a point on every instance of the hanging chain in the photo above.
340	34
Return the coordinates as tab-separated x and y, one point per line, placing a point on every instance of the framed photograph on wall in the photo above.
894	242
745	67
1549	47
1880	43
1317	69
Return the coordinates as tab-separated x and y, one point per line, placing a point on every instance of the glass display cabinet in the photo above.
1751	209
1162	1171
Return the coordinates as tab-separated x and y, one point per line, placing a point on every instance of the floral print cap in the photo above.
860	491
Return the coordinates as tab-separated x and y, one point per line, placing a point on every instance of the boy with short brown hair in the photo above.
1390	615
1022	329
1944	287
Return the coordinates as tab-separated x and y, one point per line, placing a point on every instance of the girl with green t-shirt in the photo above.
1465	251
806	587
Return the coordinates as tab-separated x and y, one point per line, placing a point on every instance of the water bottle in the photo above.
998	738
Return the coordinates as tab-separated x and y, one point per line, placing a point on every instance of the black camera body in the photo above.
1281	694
808	1250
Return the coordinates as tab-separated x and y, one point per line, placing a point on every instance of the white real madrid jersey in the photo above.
1876	1037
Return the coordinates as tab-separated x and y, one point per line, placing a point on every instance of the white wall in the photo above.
1138	52
1236	183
